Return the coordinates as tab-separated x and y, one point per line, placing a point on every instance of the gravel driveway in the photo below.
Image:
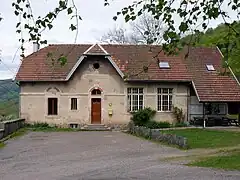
94	155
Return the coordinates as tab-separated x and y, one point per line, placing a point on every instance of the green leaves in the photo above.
62	60
70	10
188	13
183	27
34	28
72	27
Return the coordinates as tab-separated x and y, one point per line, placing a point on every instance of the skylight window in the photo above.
210	67
164	65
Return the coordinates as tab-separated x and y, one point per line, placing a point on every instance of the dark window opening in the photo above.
73	103
96	65
52	106
96	92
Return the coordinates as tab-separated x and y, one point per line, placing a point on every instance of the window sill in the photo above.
52	116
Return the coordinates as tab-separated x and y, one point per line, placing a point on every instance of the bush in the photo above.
38	125
157	125
8	117
179	115
181	124
141	117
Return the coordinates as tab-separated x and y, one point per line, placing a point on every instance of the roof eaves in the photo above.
159	80
89	49
195	89
75	67
102	49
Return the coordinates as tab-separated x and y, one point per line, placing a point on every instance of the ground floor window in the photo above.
73	103
52	106
135	99
164	99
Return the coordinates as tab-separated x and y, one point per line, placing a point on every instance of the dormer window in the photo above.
210	67
164	65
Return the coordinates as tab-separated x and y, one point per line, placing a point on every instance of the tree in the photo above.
145	30
116	35
180	16
183	16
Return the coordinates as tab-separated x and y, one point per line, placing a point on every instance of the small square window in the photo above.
210	67
164	65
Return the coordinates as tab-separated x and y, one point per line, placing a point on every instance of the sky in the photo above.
97	20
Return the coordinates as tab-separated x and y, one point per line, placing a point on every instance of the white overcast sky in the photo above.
97	19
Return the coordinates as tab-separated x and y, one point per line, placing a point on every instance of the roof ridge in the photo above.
102	44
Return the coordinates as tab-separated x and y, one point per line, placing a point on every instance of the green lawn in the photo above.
205	138
229	162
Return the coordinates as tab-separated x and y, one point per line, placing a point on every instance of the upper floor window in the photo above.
164	99
73	103
52	106
135	99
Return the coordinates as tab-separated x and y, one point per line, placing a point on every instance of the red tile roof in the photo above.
211	85
130	60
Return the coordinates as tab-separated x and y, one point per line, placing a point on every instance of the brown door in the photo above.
96	111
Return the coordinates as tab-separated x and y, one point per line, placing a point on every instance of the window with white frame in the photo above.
164	99
135	99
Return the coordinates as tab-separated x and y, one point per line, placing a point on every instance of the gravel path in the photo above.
95	155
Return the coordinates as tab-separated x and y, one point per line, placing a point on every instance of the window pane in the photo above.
165	97
170	103
170	91
159	103
52	106
159	90
129	102
140	90
73	103
135	90
129	90
165	108
165	90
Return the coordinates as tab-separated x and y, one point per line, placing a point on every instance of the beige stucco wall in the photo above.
33	96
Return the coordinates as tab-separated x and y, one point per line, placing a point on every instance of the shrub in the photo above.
157	125
180	124
8	117
38	125
141	117
179	115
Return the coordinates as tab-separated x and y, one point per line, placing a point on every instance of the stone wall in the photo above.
157	135
9	127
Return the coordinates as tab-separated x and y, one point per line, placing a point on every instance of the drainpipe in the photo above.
204	121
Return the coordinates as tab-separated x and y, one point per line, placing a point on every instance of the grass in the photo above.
204	138
47	128
52	129
230	161
2	145
16	134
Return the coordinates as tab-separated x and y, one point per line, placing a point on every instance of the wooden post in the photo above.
204	122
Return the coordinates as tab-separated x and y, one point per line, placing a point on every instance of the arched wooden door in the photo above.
96	111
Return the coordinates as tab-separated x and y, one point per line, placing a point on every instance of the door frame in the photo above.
100	109
90	97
